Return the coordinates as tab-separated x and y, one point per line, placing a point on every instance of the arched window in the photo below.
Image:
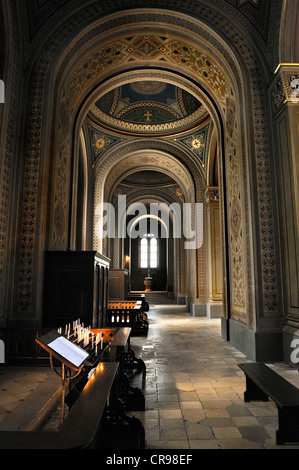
144	253
148	251
153	253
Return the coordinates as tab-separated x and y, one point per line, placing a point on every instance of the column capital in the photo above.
284	88
212	194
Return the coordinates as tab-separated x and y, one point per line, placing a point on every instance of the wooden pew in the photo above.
127	313
263	383
141	297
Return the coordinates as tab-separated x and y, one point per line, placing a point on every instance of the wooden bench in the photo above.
141	297
127	313
263	383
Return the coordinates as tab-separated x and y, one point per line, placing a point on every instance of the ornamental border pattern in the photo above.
7	162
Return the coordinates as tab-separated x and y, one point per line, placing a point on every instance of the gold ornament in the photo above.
100	143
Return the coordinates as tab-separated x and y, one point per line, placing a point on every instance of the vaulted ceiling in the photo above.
260	19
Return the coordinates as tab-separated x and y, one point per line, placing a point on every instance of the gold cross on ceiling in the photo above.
147	115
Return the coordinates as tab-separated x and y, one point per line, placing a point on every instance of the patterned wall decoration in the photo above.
8	155
197	142
175	52
119	56
206	69
258	13
99	142
40	11
262	19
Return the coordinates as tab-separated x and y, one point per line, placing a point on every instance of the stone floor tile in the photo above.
203	444
270	423
198	431
254	433
215	403
167	444
166	405
153	434
238	444
190	405
207	396
174	423
170	414
227	432
218	422
246	421
187	396
185	386
265	411
194	415
216	412
173	434
238	410
167	397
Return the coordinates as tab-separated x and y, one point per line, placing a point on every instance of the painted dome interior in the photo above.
148	107
148	178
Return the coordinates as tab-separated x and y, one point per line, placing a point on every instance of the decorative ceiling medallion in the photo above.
197	143
100	143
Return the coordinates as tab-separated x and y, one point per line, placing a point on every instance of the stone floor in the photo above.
16	385
193	388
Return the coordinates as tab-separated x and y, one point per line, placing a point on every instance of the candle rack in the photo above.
76	349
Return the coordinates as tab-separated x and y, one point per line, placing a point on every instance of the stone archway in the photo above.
132	159
87	62
225	115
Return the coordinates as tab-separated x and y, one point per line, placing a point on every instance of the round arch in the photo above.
106	183
75	79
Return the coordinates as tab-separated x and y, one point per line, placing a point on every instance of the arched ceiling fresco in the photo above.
148	178
148	107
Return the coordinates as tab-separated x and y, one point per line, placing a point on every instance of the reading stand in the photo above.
70	355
